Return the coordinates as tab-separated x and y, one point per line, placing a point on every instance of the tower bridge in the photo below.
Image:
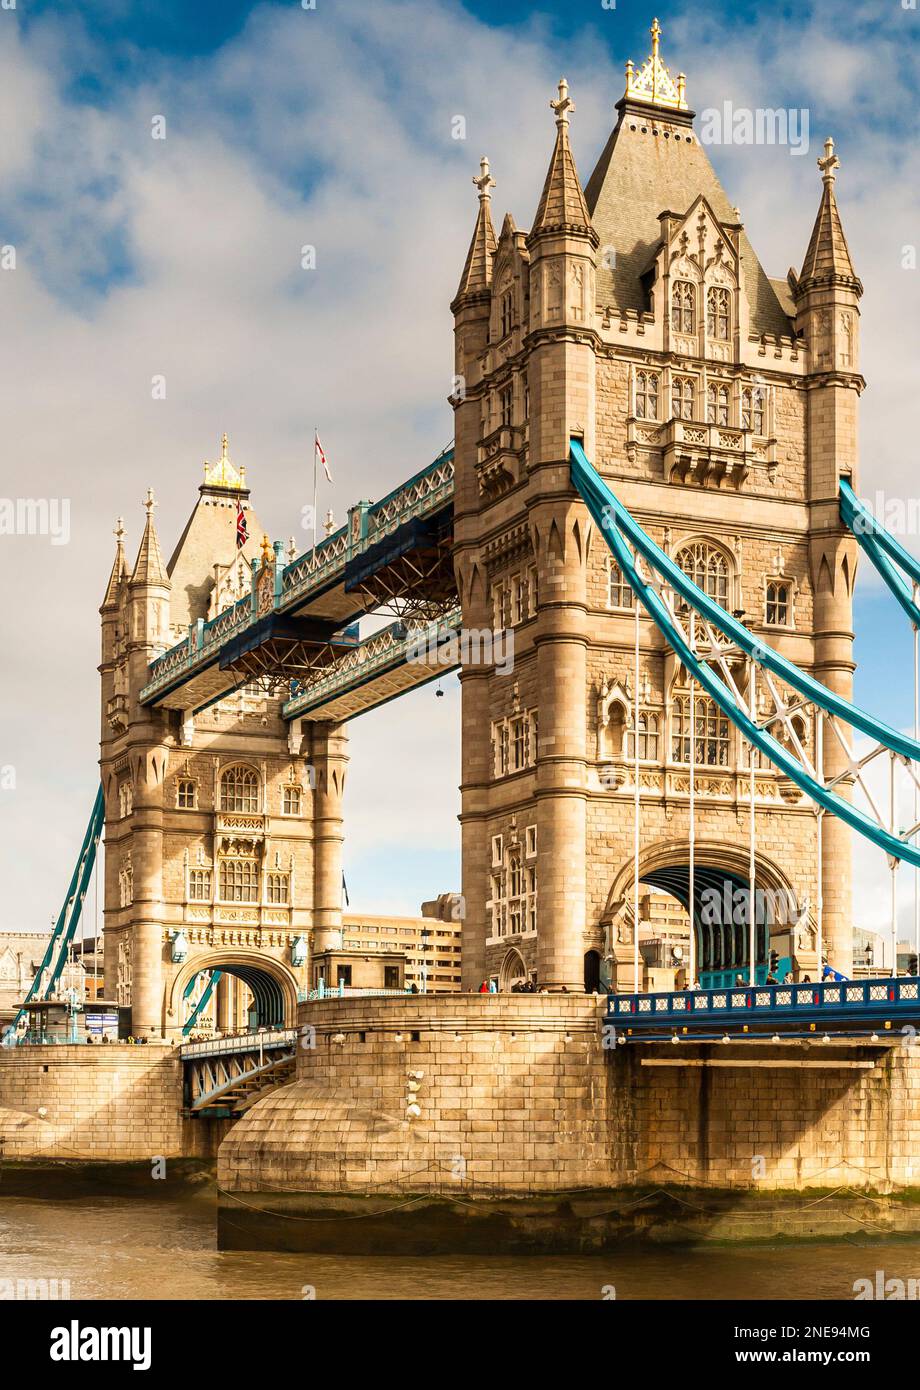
652	489
653	492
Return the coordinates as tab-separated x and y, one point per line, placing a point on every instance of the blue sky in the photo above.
331	127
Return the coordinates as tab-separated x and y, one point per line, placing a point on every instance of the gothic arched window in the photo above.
778	608
711	731
707	567
682	393
718	312
647	395
239	790
717	403
619	594
683	307
238	880
648	738
752	409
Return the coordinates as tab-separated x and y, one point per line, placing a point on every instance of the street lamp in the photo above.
423	948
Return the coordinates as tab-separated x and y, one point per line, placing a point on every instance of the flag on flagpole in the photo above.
318	449
242	530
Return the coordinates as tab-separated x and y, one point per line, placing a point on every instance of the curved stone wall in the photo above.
480	1094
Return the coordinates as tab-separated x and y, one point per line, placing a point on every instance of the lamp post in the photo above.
424	948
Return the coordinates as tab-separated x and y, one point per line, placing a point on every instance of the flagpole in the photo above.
315	442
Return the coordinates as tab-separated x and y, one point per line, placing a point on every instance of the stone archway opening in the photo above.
721	917
592	972
513	971
235	996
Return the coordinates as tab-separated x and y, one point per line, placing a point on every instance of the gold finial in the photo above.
268	551
150	502
223	473
564	105
653	84
119	531
485	181
829	163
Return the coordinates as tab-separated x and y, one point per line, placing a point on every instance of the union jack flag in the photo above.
242	530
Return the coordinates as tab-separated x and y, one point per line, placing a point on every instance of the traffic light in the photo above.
774	961
912	965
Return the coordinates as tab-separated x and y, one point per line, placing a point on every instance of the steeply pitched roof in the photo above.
149	567
641	174
477	273
562	202
828	256
209	539
119	570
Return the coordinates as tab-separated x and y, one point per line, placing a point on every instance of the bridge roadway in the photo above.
223	1076
866	1008
396	553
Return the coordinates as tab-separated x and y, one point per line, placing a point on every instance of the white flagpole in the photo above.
315	452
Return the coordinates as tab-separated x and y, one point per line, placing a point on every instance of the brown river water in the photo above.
136	1248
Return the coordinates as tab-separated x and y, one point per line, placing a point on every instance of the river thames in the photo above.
137	1248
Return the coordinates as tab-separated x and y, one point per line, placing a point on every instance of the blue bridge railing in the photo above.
834	1003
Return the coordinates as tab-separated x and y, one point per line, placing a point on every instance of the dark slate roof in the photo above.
828	254
639	176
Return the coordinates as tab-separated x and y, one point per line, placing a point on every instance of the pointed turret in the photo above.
562	203
113	590
149	567
204	566
827	260
477	273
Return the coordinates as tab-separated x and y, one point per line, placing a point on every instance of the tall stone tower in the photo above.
721	407
223	828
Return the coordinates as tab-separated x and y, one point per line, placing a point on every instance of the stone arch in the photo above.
512	969
613	720
719	869
272	976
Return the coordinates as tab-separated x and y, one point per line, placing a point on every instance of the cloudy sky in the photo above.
180	257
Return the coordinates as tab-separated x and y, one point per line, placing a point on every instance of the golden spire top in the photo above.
564	105
653	84
485	181
829	163
119	531
149	502
224	473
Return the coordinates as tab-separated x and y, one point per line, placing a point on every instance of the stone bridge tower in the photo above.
721	406
223	829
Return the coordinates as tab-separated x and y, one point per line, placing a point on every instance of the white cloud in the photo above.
332	129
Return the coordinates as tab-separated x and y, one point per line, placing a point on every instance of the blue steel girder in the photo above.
887	555
661	597
56	952
189	675
398	658
853	1006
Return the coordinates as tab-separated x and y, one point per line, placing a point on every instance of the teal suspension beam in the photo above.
615	523
887	555
202	1002
55	957
606	509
